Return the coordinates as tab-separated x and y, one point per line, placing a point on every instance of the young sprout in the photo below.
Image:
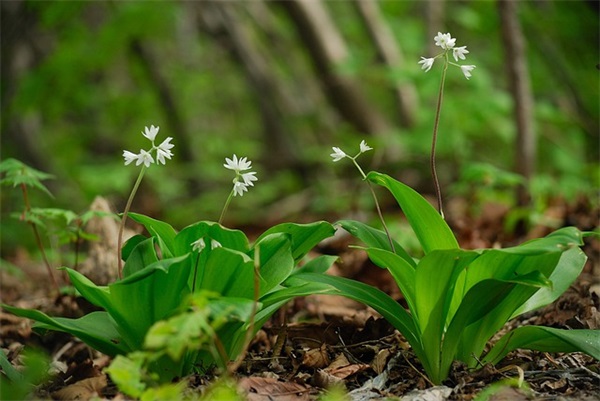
448	45
145	158
338	154
242	180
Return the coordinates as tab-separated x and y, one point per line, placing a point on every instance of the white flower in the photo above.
459	52
338	154
215	244
144	157
164	150
466	69
239	188
427	63
129	156
237	165
444	40
364	147
198	245
248	178
151	132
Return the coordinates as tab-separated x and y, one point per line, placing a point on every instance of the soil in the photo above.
321	341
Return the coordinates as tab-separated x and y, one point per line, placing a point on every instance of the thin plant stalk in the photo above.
225	207
364	176
124	218
38	240
438	110
233	367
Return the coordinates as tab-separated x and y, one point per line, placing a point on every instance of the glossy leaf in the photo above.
304	237
374	238
164	233
431	229
545	339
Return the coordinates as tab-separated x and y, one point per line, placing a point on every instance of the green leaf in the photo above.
126	373
147	296
545	339
431	229
304	237
400	269
141	256
18	173
434	284
164	233
95	329
567	270
130	245
374	238
482	312
227	272
228	238
318	265
276	261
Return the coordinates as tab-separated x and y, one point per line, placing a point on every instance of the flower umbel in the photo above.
448	45
163	151
242	180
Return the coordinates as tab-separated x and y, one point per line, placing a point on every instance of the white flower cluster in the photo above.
163	151
338	154
241	181
447	43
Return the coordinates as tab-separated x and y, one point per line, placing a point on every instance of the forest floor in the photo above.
320	341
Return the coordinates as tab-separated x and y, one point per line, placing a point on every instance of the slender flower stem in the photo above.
38	240
438	110
227	202
124	218
195	273
233	367
364	176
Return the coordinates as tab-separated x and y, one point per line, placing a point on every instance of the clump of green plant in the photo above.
459	299
160	271
20	384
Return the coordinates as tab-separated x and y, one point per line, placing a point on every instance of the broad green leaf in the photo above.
164	233
374	238
434	284
567	270
141	256
545	339
97	295
400	269
431	229
127	374
228	238
229	273
147	296
95	329
318	265
130	245
276	261
304	237
475	337
483	311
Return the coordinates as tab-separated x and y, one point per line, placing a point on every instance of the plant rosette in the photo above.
161	270
459	299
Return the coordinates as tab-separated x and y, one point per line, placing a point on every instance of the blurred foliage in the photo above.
81	92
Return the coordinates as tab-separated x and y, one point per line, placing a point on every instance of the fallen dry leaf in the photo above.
82	390
269	389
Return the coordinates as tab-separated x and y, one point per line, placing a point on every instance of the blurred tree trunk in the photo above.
22	48
222	21
166	98
327	50
391	55
520	88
